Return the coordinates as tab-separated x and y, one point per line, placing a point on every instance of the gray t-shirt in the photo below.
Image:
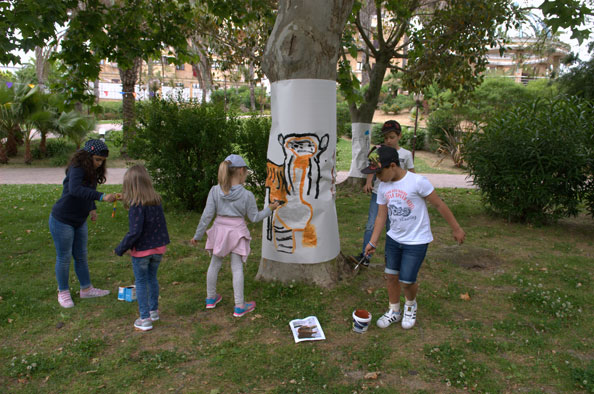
238	202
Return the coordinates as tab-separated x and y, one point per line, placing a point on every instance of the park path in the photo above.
55	176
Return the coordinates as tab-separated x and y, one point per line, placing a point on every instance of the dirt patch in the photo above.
403	118
468	257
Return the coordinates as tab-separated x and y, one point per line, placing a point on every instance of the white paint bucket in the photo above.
361	320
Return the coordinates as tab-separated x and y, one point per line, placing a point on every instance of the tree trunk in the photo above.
252	85
367	13
128	77
96	91
12	142
3	155
42	65
28	156
42	143
362	118
303	48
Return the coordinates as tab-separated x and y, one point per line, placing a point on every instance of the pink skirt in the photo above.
228	235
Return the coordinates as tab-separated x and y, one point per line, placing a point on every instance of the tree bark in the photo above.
12	142
252	85
128	77
304	44
3	155
42	143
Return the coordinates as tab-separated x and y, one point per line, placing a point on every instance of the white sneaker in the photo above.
410	316
388	318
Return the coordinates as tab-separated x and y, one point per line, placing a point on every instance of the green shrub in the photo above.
535	163
343	120
182	145
253	146
238	99
114	137
110	110
407	138
55	147
442	122
395	104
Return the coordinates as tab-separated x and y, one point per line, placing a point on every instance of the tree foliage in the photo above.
579	81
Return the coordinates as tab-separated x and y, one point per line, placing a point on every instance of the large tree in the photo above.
425	41
304	45
123	31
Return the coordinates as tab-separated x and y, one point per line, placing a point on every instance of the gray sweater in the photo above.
239	202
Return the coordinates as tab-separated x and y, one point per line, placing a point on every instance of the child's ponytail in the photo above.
225	176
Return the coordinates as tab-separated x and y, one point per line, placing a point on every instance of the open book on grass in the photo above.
307	329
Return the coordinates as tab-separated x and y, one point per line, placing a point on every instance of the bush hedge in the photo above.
182	145
253	146
535	163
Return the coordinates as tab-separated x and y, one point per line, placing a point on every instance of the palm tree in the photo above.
75	126
29	109
8	120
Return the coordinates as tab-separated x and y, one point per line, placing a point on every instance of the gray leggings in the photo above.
237	271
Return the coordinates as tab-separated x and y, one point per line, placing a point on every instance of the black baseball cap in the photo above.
380	158
391	125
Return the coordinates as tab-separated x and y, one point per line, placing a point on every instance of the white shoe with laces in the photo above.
388	318
410	316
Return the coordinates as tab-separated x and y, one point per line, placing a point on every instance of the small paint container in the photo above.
361	320
127	293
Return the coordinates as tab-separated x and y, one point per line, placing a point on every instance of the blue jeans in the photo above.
70	241
147	286
373	208
404	260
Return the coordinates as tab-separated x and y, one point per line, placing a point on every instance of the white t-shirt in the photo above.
406	162
407	209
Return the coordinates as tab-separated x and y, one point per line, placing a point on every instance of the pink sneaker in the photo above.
65	299
93	292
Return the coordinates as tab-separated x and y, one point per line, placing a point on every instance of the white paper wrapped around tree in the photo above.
301	173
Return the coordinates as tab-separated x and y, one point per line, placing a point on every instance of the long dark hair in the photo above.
84	159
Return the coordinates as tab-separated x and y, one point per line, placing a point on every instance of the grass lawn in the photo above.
508	311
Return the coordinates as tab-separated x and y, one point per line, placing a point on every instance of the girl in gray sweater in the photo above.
231	203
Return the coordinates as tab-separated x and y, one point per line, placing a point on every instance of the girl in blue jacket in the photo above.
146	240
68	219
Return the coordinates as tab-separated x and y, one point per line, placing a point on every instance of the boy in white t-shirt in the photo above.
402	196
392	132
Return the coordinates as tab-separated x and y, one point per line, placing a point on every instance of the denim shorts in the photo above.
404	260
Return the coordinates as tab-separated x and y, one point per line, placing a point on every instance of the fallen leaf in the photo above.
46	379
292	381
370	291
543	269
465	297
28	231
10	320
176	283
371	375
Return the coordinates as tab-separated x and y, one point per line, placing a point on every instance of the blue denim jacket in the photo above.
147	229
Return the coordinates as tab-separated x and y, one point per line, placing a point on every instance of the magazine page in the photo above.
307	329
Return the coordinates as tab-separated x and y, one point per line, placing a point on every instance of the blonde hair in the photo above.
137	188
225	175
